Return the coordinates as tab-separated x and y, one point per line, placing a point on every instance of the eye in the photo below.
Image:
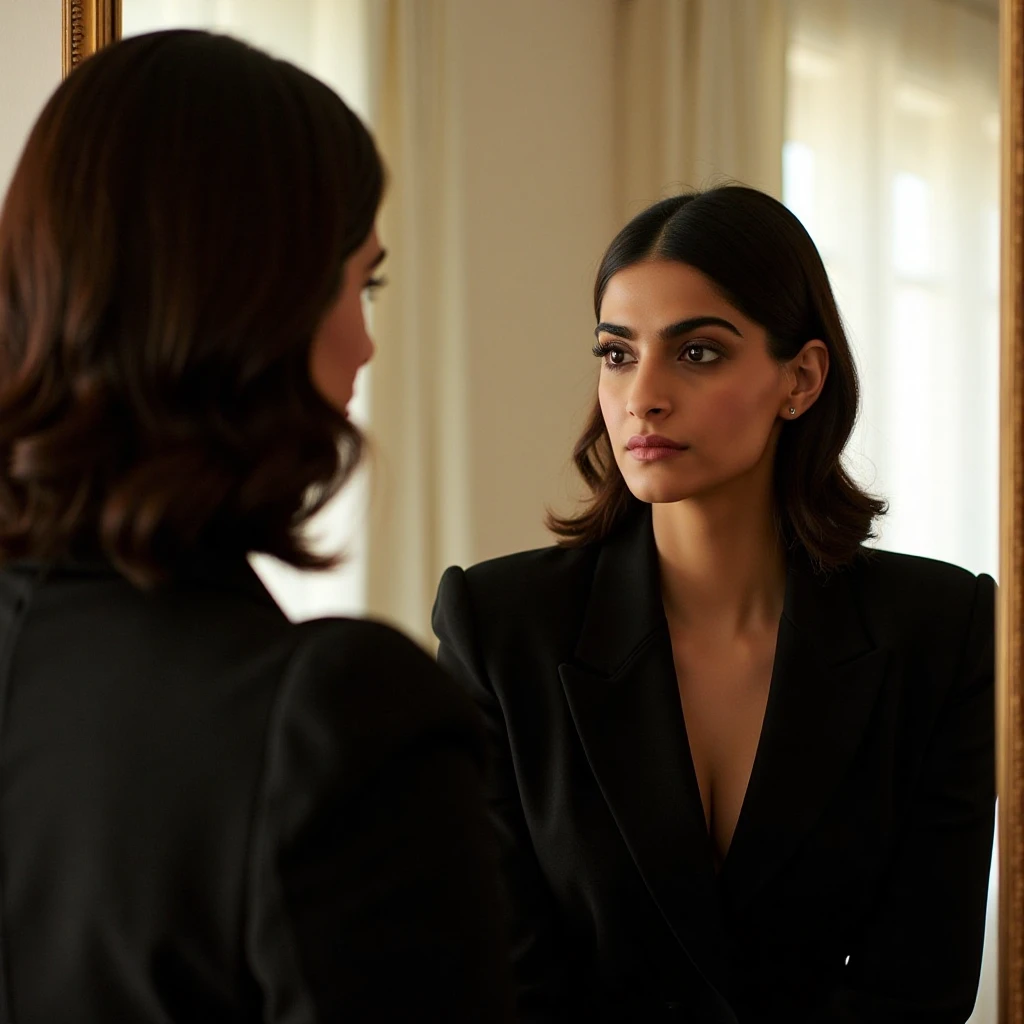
374	285
695	352
615	356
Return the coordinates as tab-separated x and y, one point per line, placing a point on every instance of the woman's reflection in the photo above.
744	762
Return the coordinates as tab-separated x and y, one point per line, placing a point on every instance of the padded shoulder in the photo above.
927	582
921	596
531	583
530	568
330	644
892	566
367	691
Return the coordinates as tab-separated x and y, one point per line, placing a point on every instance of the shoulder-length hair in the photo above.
174	232
761	259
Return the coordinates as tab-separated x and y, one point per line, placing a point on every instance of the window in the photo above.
891	162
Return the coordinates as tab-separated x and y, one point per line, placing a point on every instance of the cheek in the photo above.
745	405
339	348
342	335
604	401
610	399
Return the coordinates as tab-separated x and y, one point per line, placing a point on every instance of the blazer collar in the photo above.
231	573
622	692
626	608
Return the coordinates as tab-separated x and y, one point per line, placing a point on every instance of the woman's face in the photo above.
342	344
683	368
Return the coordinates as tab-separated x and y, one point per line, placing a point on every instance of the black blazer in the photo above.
210	814
855	886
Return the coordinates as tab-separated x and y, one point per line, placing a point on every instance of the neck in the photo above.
722	563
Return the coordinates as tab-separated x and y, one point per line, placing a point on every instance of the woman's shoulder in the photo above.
531	600
883	568
337	641
902	591
371	684
343	651
538	575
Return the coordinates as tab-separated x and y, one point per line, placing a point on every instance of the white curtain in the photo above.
700	96
891	161
418	389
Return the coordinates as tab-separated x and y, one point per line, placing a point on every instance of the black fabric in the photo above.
855	886
208	813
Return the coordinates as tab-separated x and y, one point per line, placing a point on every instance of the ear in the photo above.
806	373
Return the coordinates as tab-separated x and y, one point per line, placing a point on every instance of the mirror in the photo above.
892	149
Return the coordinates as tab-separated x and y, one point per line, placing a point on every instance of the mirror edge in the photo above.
1010	672
86	26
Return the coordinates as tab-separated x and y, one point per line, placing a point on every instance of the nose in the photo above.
648	398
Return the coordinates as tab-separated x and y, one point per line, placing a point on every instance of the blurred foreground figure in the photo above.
208	813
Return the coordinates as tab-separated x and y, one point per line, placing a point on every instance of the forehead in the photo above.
662	291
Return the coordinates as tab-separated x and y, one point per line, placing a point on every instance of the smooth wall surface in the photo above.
30	56
535	143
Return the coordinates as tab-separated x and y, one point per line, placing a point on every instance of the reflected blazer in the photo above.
855	886
210	814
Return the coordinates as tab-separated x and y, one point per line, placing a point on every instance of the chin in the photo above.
659	485
660	492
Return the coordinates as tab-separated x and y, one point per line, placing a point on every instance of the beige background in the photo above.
30	55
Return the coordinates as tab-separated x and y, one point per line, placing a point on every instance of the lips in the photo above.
653	447
652	441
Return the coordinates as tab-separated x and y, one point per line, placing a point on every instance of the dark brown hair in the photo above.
761	259
173	234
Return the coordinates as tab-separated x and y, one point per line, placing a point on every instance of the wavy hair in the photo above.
762	260
174	232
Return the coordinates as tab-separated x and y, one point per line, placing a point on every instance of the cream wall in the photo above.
30	57
535	146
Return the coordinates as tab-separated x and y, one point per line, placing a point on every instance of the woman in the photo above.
744	765
206	812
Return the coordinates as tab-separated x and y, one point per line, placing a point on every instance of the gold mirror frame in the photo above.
87	25
90	24
1010	674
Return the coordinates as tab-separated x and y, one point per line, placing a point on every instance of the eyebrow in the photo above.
692	323
377	260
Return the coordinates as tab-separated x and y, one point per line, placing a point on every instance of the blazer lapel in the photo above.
825	679
622	692
624	699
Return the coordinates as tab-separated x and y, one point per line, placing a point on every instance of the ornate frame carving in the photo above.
1010	688
86	26
90	24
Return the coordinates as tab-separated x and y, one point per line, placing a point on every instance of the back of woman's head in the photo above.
173	234
760	258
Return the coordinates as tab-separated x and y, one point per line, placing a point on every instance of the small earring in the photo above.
792	411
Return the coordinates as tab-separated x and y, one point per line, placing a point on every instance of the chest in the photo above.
723	689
